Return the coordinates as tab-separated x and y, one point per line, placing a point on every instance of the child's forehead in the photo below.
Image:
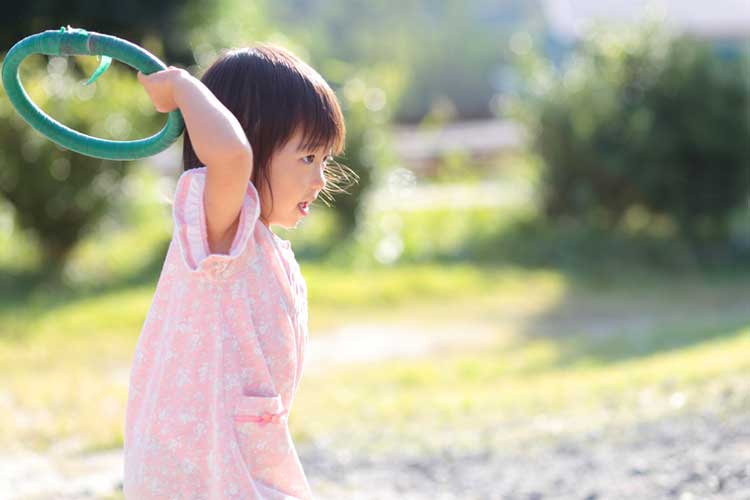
301	147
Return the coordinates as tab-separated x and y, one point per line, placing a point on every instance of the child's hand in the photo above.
160	87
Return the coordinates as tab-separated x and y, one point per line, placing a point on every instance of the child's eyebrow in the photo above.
311	147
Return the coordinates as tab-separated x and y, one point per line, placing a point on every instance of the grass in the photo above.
571	376
66	353
567	350
428	404
65	371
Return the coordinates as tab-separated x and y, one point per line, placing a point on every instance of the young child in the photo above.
220	356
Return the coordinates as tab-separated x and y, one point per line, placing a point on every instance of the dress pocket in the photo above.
267	448
263	436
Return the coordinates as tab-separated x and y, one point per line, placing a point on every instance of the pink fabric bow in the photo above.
262	419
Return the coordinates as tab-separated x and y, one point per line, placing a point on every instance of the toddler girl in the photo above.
220	356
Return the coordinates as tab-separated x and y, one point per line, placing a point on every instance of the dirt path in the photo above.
353	344
689	457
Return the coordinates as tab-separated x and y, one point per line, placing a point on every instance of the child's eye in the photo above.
327	158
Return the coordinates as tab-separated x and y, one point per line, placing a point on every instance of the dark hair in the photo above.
272	93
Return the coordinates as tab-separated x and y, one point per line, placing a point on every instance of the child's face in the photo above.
295	176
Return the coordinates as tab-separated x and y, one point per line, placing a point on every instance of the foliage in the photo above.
642	124
425	40
141	21
57	194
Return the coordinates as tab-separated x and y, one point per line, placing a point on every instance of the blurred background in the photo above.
538	289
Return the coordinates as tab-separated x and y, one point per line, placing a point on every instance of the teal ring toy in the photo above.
73	41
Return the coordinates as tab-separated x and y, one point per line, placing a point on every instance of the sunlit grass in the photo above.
338	295
65	371
65	361
66	353
496	396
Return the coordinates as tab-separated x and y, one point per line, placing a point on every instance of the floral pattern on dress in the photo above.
217	364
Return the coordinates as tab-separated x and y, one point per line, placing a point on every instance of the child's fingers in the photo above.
143	76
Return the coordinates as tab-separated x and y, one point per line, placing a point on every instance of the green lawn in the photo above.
65	368
564	350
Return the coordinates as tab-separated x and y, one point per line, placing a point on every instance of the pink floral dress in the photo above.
217	365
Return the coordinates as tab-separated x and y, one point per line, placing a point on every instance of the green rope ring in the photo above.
72	41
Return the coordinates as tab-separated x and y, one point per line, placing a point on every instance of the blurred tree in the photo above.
419	48
460	50
137	21
417	54
642	123
57	194
369	152
445	50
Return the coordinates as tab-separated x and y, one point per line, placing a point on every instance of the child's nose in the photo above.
319	182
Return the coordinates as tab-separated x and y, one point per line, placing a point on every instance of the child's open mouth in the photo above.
304	207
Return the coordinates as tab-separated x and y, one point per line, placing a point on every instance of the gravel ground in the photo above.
685	457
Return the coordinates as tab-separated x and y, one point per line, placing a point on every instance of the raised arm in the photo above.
219	142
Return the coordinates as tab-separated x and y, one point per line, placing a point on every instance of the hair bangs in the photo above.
320	121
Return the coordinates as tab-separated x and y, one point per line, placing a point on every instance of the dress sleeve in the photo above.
189	217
